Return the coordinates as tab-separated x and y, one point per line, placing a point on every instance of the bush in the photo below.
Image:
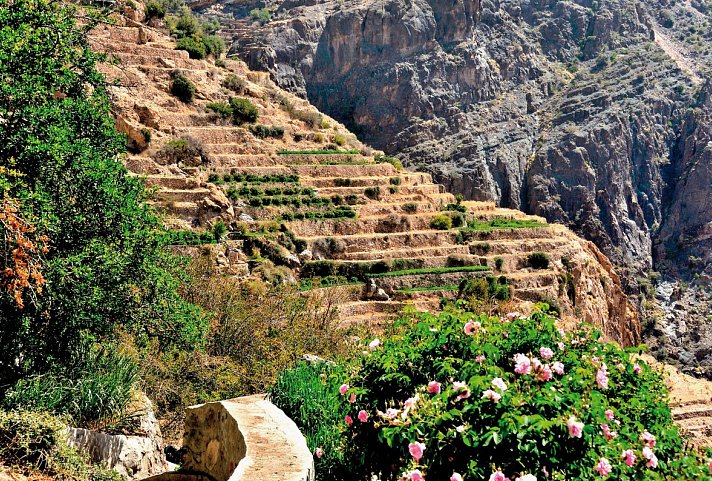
214	46
538	260
186	150
234	83
441	222
373	192
264	131
196	49
510	395
498	263
223	109
182	87
261	15
410	207
243	111
391	160
154	9
339	140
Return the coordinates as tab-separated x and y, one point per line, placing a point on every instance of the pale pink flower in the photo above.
352	398
575	427
471	327
603	467
462	389
522	364
460	428
497	476
526	477
513	315
544	374
629	457
561	332
434	387
362	416
637	369
391	413
456	477
602	377
499	383
558	368
318	453
490	394
609	415
648	439
415	475
607	432
343	389
374	344
480	359
416	450
348	420
709	465
546	353
409	402
536	363
650	457
562	346
503	320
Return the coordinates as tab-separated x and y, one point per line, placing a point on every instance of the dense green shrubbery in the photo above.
243	110
192	35
234	83
182	87
441	222
104	268
473	395
538	260
195	48
264	131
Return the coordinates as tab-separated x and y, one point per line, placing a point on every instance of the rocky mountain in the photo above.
592	113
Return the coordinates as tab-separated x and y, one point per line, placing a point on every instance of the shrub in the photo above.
154	9
185	150
195	48
538	260
243	111
339	140
391	160
513	395
261	15
498	263
264	131
214	46
220	63
223	109
234	83
410	207
441	222
373	192
219	230
182	87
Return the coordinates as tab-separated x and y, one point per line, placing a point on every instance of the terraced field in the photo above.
318	202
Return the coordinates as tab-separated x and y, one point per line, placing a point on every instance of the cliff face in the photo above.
567	109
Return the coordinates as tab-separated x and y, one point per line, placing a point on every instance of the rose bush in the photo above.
465	395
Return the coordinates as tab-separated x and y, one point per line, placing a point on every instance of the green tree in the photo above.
105	267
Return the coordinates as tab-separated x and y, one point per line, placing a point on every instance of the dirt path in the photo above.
677	53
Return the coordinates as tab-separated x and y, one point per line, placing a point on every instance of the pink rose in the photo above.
513	315
348	420
558	368
497	476
546	353
629	457
648	439
490	394
544	374
362	416
480	359
609	415
343	389
637	369
562	346
462	389
709	465
352	398
603	467
391	413
575	427
522	364
434	387
525	477
416	450
456	477
607	432
499	383
650	457
461	428
602	377
318	453
409	402
471	327
374	344
415	475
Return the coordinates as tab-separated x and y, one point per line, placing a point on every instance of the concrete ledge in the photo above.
242	439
